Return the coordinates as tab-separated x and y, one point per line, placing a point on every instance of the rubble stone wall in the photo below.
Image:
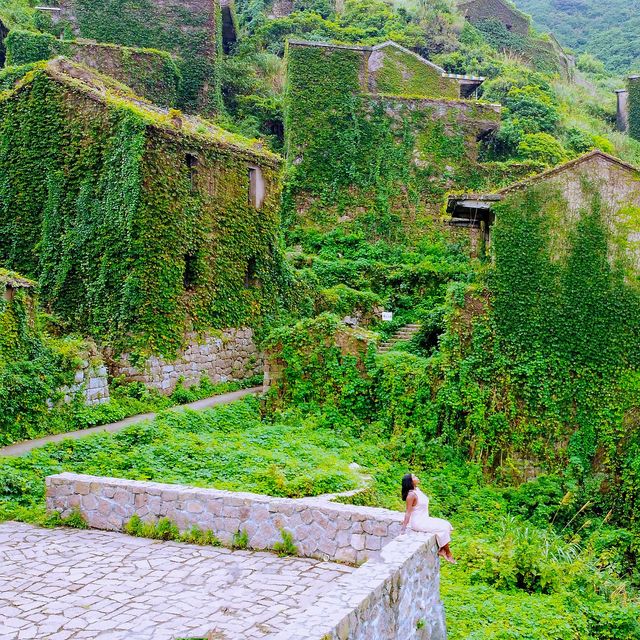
91	381
320	529
231	355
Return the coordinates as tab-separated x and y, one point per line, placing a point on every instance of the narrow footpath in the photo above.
20	448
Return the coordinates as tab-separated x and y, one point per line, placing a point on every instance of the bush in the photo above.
541	147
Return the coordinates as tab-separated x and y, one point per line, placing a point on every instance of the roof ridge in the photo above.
567	165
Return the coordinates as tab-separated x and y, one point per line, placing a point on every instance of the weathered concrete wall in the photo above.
320	529
393	597
231	355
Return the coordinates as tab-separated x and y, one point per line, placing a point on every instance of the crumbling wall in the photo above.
189	28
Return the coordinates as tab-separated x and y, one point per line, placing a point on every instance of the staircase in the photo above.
404	334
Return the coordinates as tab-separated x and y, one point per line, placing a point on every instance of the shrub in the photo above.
286	547
240	540
541	147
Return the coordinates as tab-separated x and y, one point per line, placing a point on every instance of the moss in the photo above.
402	73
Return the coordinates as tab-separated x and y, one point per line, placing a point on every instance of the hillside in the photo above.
318	179
610	31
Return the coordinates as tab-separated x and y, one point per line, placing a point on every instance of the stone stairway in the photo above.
404	334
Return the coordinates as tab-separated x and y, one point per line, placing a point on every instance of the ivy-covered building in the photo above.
150	73
141	224
378	134
565	193
190	29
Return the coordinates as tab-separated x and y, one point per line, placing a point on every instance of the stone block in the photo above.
358	541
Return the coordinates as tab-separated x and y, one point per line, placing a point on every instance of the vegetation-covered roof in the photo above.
15	280
108	91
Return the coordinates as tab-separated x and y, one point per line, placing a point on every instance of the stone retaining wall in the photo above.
91	381
320	529
393	597
231	355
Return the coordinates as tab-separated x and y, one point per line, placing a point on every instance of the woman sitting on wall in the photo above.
417	516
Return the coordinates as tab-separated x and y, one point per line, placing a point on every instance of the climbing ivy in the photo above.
633	87
383	160
189	31
128	242
151	73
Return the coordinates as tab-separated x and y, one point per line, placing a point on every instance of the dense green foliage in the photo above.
125	246
610	32
151	73
179	30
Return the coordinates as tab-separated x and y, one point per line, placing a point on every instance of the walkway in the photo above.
21	448
65	584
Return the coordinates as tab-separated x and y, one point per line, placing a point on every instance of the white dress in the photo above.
420	520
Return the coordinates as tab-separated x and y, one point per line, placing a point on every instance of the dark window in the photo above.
250	279
190	275
191	161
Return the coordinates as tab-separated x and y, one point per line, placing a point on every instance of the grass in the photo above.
517	578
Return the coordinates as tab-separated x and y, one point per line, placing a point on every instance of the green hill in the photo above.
610	31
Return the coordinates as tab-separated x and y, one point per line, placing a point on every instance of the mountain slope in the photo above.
610	31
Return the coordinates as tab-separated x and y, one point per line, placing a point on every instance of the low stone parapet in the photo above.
393	597
320	529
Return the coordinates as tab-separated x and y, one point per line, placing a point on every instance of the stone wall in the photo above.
393	597
231	355
91	381
320	529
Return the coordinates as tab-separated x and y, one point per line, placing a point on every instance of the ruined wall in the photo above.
230	355
480	10
150	73
572	192
355	154
188	28
91	381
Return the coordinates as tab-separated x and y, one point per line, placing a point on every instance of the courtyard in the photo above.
67	584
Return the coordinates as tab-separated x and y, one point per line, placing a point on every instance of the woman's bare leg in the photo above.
445	552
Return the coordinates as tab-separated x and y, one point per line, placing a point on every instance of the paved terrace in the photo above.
65	584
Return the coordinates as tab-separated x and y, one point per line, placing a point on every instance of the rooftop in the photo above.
15	280
109	92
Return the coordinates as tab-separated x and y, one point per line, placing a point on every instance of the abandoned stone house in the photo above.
190	211
572	183
196	32
350	109
476	11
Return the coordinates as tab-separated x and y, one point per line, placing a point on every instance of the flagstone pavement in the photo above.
65	584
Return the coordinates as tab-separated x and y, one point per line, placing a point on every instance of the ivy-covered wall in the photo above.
152	74
402	73
190	28
381	160
137	225
549	354
633	88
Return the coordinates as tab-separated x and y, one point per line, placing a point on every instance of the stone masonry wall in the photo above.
91	381
393	597
320	529
232	355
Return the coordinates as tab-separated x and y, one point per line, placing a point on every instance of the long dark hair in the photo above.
407	485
